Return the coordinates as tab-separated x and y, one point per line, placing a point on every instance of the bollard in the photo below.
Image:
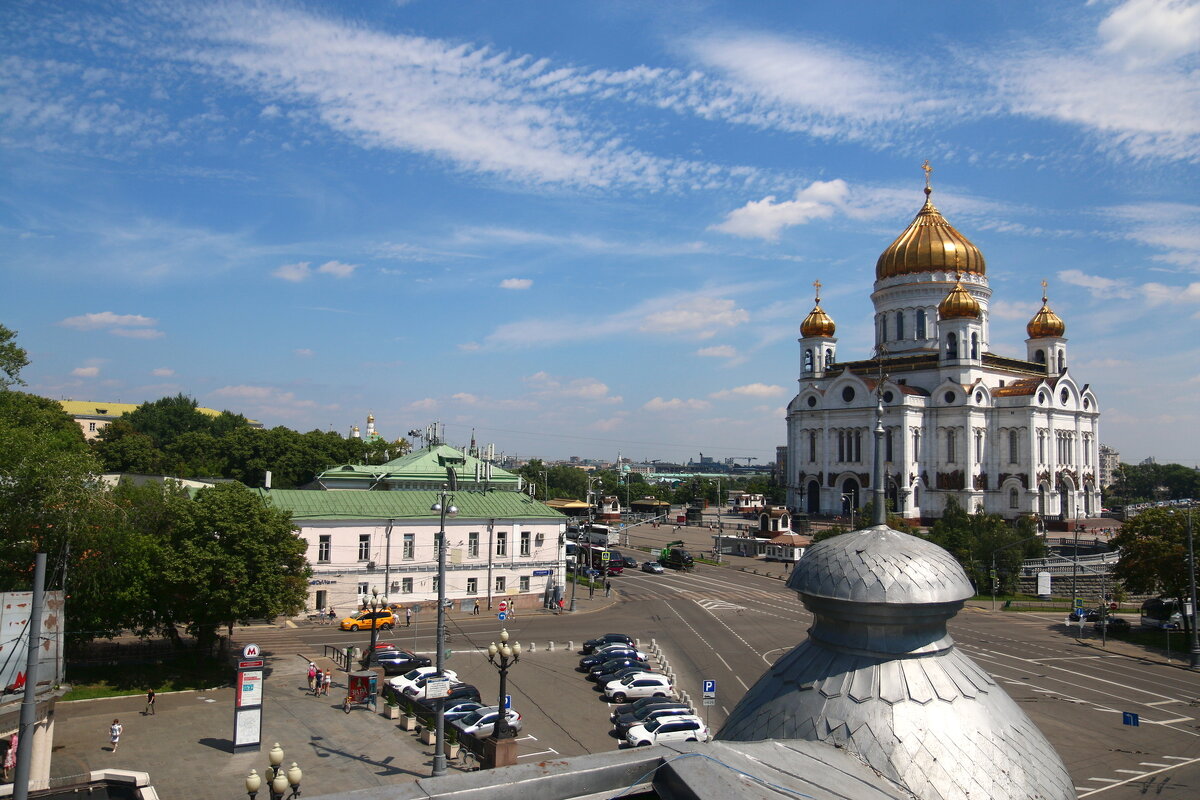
570	645
533	647
551	647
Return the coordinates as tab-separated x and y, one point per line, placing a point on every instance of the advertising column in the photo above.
248	701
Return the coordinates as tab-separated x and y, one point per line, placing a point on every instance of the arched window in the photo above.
975	345
1013	498
808	360
1040	356
881	326
920	332
812	446
1062	360
951	345
899	324
1014	448
951	445
828	358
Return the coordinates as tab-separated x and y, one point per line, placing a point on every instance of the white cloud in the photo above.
162	372
765	218
465	397
516	283
1173	228
85	372
544	385
718	351
1152	31
425	404
697	315
675	404
303	352
1098	285
106	319
137	333
607	425
1009	310
244	392
293	272
750	390
469	347
337	269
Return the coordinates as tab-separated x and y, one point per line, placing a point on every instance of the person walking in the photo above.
312	675
332	615
149	702
591	590
318	681
114	733
408	616
607	588
325	683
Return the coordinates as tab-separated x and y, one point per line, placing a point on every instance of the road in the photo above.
725	625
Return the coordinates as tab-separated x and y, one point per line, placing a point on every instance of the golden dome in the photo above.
958	304
817	323
1045	322
929	244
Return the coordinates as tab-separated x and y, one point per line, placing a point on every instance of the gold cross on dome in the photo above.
817	286
927	169
1044	294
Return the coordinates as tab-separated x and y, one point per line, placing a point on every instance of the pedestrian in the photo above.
591	590
114	733
325	683
561	603
475	609
312	675
407	617
332	615
149	702
607	588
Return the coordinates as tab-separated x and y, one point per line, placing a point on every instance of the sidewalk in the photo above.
186	745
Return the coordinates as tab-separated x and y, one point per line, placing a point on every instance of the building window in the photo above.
951	446
92	426
888	445
841	445
808	360
526	542
951	345
920	332
812	446
324	545
524	583
363	589
1012	498
500	583
899	324
916	445
501	543
828	358
978	447
364	547
1041	447
858	446
410	546
473	544
472	586
406	585
1014	448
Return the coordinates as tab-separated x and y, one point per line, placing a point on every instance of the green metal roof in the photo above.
356	504
429	464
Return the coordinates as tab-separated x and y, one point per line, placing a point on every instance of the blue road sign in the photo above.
502	616
1130	718
508	701
1079	602
709	687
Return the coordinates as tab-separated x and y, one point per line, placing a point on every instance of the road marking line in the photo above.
742	682
723	661
1167	721
1163	702
539	753
1104	780
1175	758
1068	658
1182	763
1151	764
1131	771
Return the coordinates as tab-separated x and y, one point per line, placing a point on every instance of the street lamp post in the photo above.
279	780
375	602
1194	654
502	656
444	509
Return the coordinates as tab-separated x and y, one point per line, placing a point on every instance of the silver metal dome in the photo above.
880	677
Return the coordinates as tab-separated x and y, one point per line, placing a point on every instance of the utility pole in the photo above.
1194	654
28	720
387	558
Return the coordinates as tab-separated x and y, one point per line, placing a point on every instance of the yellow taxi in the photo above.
384	620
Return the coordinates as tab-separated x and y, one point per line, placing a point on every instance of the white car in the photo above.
419	687
402	682
684	728
481	723
639	684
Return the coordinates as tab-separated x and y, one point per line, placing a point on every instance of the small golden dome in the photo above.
817	323
1045	323
929	244
370	417
958	304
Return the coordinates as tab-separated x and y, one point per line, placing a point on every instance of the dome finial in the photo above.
817	287
1045	323
1045	294
927	169
817	323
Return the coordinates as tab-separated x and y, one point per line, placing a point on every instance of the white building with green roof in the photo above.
424	469
502	545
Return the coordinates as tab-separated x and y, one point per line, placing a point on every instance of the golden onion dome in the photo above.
817	323
959	304
370	417
1045	323
929	244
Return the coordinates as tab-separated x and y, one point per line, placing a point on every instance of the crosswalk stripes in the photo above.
719	605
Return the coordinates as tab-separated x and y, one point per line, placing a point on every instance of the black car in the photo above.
398	662
605	678
459	693
630	562
1113	624
587	662
1086	614
627	721
609	638
638	705
614	664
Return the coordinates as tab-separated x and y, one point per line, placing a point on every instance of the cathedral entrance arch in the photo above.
812	498
1066	500
893	497
850	494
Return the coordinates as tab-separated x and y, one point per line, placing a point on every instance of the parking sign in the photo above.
709	688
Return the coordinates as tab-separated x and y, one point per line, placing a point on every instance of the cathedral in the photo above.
1001	434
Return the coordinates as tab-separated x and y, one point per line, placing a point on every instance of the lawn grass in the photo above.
120	680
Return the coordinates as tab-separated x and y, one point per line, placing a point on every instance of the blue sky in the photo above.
584	227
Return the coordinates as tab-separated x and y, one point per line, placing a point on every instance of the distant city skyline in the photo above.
580	228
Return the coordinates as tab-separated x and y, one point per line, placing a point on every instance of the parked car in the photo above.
607	639
587	662
639	684
384	620
668	729
398	662
612	665
629	561
653	567
623	724
617	647
459	693
1086	614
413	675
481	723
1113	624
462	709
606	678
417	688
638	705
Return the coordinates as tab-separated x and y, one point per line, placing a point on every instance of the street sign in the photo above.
1079	602
507	701
503	606
437	687
1130	718
709	701
605	556
709	688
538	573
502	616
250	651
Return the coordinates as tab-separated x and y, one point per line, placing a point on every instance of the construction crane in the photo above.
747	459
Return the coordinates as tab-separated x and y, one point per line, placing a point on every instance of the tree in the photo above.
231	558
979	540
13	359
1153	555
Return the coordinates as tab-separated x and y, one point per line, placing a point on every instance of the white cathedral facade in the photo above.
1012	436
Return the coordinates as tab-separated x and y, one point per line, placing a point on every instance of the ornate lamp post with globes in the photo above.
376	603
501	745
278	779
444	509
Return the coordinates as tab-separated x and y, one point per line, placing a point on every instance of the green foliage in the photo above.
1142	483
976	540
13	359
1153	556
828	533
